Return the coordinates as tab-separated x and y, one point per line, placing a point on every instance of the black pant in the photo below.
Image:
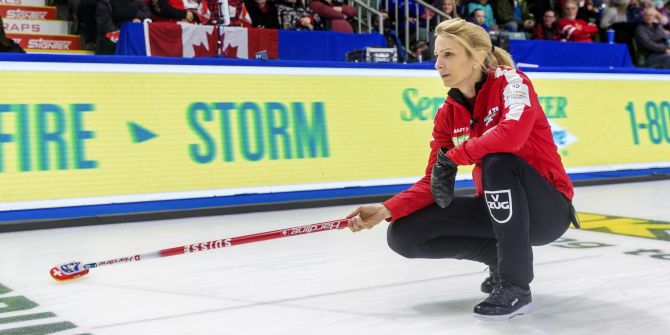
519	209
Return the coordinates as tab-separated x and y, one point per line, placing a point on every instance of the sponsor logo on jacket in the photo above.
490	115
459	139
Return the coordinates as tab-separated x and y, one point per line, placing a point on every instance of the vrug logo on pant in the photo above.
499	204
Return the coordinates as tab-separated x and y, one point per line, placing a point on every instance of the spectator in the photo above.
420	51
8	44
191	11
651	39
616	13
548	29
449	7
513	15
660	17
539	7
83	14
110	14
572	28
415	12
293	15
263	13
589	10
478	17
488	12
616	18
335	17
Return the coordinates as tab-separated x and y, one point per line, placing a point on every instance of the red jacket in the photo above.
507	117
571	33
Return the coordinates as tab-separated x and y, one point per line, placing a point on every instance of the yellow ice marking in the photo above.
625	226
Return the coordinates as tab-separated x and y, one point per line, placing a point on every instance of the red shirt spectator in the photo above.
335	17
572	28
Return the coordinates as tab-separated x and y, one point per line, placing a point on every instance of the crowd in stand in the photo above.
644	25
641	24
100	20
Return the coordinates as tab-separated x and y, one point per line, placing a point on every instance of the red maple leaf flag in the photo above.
180	39
246	42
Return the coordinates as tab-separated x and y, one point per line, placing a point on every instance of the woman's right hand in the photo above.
367	216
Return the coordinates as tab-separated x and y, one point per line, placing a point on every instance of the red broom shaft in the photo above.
75	270
229	242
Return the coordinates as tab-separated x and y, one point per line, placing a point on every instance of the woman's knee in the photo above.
399	239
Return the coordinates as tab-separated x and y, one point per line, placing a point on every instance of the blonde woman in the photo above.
491	118
449	7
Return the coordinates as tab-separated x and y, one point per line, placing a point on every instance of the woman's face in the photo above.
453	64
549	18
447	7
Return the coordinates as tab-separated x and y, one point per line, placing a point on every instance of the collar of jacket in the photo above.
458	96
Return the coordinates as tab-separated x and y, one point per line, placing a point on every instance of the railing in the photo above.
438	12
369	8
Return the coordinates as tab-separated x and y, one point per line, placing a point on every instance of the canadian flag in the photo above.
179	39
238	42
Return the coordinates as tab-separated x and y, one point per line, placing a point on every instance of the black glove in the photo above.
442	179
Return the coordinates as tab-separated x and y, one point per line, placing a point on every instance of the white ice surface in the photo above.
335	282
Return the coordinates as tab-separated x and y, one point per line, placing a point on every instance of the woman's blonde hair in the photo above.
474	39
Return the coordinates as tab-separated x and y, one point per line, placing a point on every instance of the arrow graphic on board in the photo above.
140	134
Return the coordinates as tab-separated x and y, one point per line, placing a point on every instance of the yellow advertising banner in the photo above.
115	132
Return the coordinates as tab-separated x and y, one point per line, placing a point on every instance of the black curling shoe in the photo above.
505	302
489	283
